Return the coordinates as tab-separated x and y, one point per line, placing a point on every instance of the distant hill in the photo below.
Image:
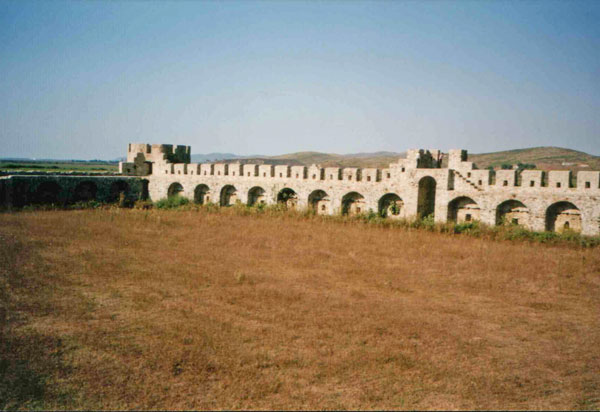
377	159
544	158
211	157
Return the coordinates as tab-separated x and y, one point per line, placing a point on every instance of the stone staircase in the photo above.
466	180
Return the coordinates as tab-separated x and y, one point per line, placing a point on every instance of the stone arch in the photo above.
85	191
175	189
319	201
390	205
512	212
256	196
287	197
562	216
228	195
118	190
463	209
201	194
47	193
426	197
353	203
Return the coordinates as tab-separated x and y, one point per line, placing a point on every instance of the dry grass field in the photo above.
185	309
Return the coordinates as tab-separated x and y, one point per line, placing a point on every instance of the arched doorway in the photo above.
175	189
426	198
319	201
390	205
85	191
201	194
512	212
353	203
47	193
463	209
563	216
287	197
228	195
256	196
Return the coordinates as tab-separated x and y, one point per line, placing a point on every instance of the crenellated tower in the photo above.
141	157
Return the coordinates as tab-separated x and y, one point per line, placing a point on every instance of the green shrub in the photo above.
467	227
172	202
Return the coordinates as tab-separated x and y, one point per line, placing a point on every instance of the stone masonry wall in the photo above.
457	192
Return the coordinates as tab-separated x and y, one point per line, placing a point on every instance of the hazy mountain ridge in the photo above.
545	158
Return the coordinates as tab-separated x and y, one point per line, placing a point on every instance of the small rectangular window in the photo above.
280	174
588	185
297	175
314	177
505	183
233	174
480	182
557	184
349	177
368	178
515	221
264	174
532	183
469	174
248	173
219	173
468	217
403	169
389	175
205	173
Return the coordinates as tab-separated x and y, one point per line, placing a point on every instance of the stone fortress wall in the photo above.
416	186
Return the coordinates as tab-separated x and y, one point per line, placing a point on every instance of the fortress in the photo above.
425	183
417	186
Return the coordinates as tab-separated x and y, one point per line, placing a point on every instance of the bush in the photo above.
172	202
467	227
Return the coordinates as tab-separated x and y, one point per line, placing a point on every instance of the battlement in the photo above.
462	173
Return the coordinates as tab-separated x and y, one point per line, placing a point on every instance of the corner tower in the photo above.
141	156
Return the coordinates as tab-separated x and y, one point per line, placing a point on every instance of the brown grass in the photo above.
155	309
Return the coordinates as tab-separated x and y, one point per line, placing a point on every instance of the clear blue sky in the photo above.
82	79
